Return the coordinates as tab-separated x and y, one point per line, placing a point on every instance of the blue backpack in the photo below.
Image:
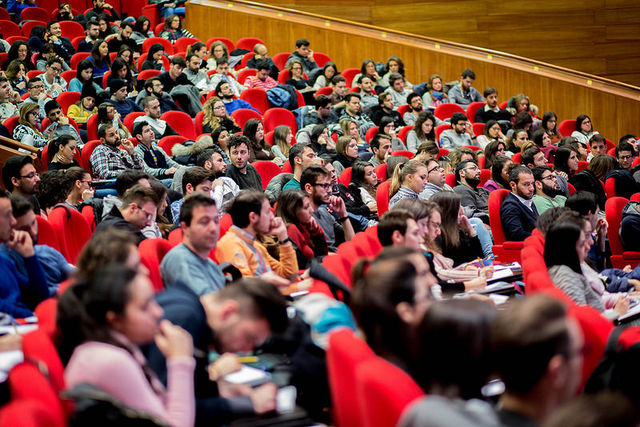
279	97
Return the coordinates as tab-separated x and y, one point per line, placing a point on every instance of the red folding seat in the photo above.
27	382
610	187
175	237
10	29
371	132
243	74
280	59
34	73
267	170
147	74
168	142
243	115
405	153
503	250
344	353
152	251
567	127
345	176
381	172
71	30
183	43
438	130
279	116
404	132
146	45
478	129
72	230
339	267
472	109
450	179
249	42
382	197
34	13
619	257
181	123
27	413
67	99
321	59
47	234
228	42
131	117
384	391
445	111
349	74
257	97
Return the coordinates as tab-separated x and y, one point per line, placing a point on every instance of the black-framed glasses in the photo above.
552	177
435	168
325	186
31	175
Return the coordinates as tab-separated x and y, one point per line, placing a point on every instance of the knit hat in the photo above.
116	84
88	90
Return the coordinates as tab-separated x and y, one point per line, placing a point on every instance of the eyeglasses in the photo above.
56	69
37	87
325	186
435	168
149	216
551	177
625	157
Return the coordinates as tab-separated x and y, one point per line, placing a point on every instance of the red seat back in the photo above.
344	354
89	214
9	29
168	48
130	118
92	128
279	116
321	58
382	197
610	187
349	74
345	176
67	99
405	153
472	109
152	251
567	127
181	123
445	111
175	237
228	42
381	172
37	346
71	29
86	152
267	171
613	211
243	115
249	42
257	97
72	230
495	201
439	129
403	134
242	75
183	43
34	13
168	142
384	392
280	59
27	382
371	132
47	234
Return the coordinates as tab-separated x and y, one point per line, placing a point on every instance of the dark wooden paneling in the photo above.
613	108
540	30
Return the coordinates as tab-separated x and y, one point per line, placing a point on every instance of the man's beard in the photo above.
550	191
473	182
230	96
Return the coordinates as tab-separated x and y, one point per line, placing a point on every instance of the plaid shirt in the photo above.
253	81
107	162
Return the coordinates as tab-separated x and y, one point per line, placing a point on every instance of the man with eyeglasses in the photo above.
460	134
320	116
316	181
474	199
54	85
625	154
154	87
60	125
225	93
20	177
138	210
37	95
436	180
548	194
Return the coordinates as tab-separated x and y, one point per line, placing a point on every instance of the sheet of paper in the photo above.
247	375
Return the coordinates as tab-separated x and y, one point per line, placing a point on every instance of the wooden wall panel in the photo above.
614	108
540	30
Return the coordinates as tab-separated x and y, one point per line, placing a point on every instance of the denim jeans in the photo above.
484	235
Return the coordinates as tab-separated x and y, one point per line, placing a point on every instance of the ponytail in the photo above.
400	174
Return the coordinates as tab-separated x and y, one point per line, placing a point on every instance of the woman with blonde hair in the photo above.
215	115
408	181
350	128
282	137
347	150
28	131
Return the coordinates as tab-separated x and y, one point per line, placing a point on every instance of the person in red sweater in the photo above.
295	209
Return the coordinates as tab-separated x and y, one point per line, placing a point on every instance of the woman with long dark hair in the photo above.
565	165
173	30
84	74
142	30
434	96
500	167
542	139
329	71
294	208
388	127
100	58
120	70
107	113
491	132
550	126
154	58
493	150
61	153
394	65
19	50
423	131
368	69
459	240
363	184
102	323
259	149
